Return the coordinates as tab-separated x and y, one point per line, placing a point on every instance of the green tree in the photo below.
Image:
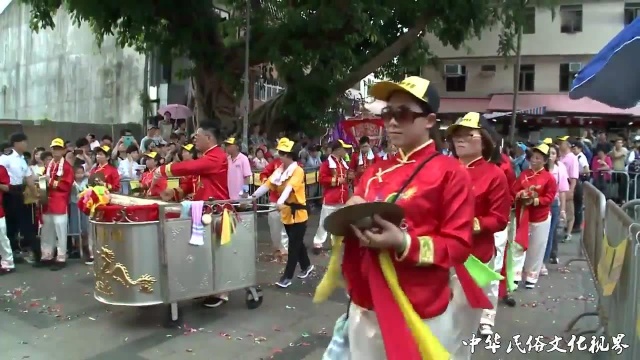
319	48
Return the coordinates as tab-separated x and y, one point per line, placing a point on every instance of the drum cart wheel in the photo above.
254	298
173	316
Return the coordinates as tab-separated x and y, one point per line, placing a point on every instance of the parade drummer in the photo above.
152	188
211	171
289	181
111	176
535	189
473	144
332	176
362	160
434	237
60	177
279	237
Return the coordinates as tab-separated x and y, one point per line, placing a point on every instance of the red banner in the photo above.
371	127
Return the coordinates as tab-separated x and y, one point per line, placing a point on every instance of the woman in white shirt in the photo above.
259	162
129	169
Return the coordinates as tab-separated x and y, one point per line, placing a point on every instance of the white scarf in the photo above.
369	157
281	175
333	165
52	164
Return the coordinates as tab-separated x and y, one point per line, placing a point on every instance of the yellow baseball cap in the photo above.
152	155
104	148
543	148
344	144
230	141
285	145
547	141
470	121
57	142
414	85
563	138
188	147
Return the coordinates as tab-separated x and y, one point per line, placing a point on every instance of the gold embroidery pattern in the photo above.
109	270
476	225
409	193
426	254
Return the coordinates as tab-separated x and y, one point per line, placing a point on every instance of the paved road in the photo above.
53	316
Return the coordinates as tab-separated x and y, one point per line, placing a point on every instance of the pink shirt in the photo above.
559	173
239	169
596	166
572	165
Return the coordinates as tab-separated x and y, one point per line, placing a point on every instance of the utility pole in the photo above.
516	74
245	121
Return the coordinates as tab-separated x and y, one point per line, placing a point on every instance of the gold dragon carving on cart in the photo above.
111	270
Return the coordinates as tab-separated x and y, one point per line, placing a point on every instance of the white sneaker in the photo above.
544	271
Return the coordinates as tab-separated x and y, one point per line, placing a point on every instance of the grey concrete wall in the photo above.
62	75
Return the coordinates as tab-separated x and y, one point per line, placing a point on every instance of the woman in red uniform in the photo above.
535	189
111	176
413	261
188	182
473	145
151	188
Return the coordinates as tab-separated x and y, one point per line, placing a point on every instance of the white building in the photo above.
476	78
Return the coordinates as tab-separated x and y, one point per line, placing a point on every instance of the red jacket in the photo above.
266	172
439	211
507	168
211	169
59	188
111	176
4	180
335	190
157	188
492	208
357	168
544	188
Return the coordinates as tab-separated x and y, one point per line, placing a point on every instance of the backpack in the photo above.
634	166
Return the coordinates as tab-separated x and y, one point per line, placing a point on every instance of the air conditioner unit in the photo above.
574	67
488	70
453	70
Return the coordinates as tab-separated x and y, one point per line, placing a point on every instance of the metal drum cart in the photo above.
143	256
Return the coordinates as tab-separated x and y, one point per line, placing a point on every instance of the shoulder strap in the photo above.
413	174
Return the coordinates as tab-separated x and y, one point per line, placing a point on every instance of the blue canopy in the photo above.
612	77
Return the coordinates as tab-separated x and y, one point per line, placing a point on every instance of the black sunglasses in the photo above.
402	114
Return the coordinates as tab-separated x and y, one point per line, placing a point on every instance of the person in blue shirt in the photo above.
520	162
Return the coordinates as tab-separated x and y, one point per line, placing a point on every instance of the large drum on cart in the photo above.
143	255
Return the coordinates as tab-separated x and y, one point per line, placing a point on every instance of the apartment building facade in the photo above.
554	49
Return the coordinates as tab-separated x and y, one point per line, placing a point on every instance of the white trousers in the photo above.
279	237
54	236
529	263
365	339
5	246
489	315
465	318
321	233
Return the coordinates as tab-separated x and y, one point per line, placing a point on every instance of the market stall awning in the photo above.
463	105
540	110
557	103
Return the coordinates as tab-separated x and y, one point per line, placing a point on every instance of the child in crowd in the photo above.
78	221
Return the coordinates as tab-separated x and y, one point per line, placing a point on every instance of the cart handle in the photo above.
267	208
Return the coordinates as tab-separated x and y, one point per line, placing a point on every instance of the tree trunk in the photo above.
214	98
516	86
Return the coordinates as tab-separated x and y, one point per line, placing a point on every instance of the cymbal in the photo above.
361	215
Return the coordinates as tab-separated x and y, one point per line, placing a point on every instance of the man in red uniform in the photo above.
473	144
332	176
60	177
279	237
434	237
211	169
362	160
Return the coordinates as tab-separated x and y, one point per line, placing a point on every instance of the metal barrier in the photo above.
615	185
612	250
126	185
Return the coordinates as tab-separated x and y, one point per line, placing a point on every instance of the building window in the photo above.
631	12
457	82
570	19
567	74
529	25
527	78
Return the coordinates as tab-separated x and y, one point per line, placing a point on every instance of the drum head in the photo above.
361	215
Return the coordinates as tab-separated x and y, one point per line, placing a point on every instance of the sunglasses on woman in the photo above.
401	113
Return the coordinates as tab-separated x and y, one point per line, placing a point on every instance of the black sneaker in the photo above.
58	265
6	271
509	301
43	263
485	331
283	282
213	301
529	285
305	273
89	261
553	260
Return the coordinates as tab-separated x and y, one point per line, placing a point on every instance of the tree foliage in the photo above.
320	48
